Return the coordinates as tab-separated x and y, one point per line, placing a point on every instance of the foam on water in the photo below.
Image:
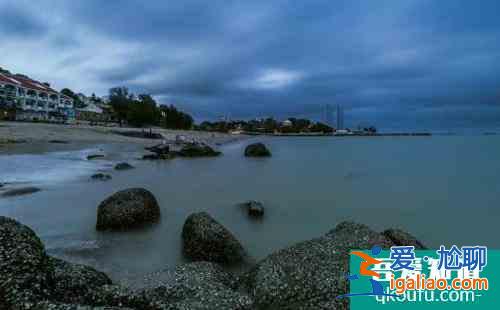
49	168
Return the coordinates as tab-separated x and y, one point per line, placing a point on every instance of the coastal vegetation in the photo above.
267	125
143	110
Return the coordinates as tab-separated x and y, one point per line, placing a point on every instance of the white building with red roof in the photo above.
33	99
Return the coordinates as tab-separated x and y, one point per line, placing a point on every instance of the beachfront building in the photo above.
94	109
33	100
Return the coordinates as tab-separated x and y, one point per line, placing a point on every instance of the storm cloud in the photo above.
398	63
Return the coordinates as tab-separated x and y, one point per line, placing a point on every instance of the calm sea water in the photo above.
443	189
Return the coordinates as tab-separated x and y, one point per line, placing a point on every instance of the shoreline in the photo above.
36	138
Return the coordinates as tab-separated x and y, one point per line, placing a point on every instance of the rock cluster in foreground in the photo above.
307	275
169	151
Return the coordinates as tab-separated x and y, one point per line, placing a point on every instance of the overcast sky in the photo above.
411	63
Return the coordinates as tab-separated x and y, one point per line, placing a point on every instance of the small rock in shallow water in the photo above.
127	209
257	150
101	177
124	166
205	239
254	208
95	156
20	191
59	141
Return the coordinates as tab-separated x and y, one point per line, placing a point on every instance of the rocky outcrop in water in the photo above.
20	191
197	150
310	274
181	149
205	239
123	166
257	150
127	209
30	279
26	272
159	149
307	275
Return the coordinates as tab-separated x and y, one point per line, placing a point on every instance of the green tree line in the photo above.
143	110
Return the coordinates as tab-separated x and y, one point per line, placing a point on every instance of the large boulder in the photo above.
197	150
74	281
401	237
205	239
26	272
310	274
127	209
199	286
257	150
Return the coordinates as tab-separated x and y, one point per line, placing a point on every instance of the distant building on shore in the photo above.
26	99
94	109
328	115
340	117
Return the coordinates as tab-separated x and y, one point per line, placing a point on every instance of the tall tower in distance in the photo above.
340	117
328	115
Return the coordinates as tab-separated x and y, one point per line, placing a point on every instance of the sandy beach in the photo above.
20	137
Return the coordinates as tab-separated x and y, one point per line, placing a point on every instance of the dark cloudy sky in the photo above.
412	63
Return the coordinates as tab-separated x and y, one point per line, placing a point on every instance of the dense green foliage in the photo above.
268	125
68	92
143	110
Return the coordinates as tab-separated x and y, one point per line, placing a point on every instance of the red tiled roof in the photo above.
25	82
7	79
